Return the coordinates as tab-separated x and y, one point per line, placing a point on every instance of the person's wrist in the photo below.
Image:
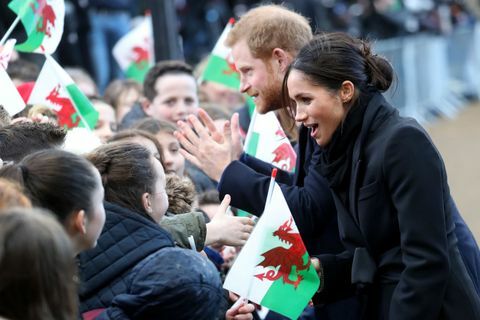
212	236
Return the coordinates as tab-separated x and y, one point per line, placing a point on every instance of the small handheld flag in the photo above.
273	269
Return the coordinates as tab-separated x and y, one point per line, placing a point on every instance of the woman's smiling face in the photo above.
317	107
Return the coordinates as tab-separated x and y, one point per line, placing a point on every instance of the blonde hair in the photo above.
268	27
11	195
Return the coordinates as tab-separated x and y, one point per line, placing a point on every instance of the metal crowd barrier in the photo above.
434	74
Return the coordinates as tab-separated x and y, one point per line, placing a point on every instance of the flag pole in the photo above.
9	31
270	187
243	299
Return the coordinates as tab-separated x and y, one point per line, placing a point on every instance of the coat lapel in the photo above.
370	114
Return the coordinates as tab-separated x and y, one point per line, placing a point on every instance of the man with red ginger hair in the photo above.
264	42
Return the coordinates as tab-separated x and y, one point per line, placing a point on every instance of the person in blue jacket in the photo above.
135	271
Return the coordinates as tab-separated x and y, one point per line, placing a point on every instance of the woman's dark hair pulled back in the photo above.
329	59
127	173
57	180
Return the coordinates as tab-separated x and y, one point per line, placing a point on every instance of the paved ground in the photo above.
458	140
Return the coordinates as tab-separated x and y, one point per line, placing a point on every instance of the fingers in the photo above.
236	137
188	132
186	144
224	205
235	122
245	312
207	121
241	309
244	227
227	132
199	127
191	158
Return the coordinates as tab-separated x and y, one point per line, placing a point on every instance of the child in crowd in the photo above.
136	202
122	95
170	93
174	161
107	122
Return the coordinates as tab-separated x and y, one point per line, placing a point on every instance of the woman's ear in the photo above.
147	205
79	222
347	91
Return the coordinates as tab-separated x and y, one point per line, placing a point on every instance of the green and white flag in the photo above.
43	22
220	66
56	89
267	141
10	99
134	51
273	269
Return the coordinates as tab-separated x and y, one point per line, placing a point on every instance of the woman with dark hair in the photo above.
389	186
36	267
135	271
67	185
223	229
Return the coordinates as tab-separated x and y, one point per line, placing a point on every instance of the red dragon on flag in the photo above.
285	258
284	153
47	16
65	109
232	69
141	55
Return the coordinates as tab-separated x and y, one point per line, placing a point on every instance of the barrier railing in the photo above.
435	74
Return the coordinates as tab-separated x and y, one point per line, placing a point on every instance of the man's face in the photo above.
176	98
260	79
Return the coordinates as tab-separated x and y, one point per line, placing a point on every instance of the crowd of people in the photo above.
96	25
132	220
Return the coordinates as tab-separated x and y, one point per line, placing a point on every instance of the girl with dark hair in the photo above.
389	186
221	230
69	186
36	267
131	271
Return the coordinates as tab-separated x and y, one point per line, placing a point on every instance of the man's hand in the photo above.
207	148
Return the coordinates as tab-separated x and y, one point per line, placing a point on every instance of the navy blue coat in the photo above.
309	199
135	263
306	193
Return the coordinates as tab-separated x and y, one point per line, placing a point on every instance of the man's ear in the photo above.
347	91
146	105
147	205
282	58
79	222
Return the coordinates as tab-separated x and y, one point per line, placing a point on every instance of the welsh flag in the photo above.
43	23
267	141
220	66
134	51
273	269
10	99
56	89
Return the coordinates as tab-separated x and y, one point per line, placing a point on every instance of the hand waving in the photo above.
207	148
